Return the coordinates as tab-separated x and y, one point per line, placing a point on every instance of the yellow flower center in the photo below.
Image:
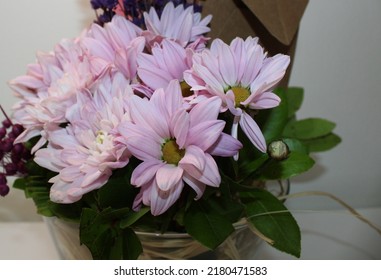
171	152
101	136
185	89
240	94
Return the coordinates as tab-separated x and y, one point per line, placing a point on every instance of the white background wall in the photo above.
338	62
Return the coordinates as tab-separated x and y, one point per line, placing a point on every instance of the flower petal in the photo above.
227	63
205	134
197	186
209	175
225	146
205	111
265	100
168	176
145	172
194	156
273	70
180	126
144	148
253	132
145	114
161	200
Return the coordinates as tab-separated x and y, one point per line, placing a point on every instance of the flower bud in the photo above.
7	123
17	129
278	150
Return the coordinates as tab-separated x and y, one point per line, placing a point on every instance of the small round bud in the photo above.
7	123
17	129
6	145
278	150
4	189
18	149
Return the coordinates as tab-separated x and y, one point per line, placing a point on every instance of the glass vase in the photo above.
241	244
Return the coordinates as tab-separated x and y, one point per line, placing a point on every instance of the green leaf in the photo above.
95	234
250	167
273	220
20	183
37	189
295	164
132	217
127	246
208	227
225	201
294	99
118	183
71	212
323	143
308	128
296	145
100	232
273	121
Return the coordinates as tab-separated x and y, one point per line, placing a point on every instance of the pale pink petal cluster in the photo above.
49	88
84	153
178	24
243	77
166	62
175	146
116	45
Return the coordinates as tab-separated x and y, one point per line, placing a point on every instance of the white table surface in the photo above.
325	235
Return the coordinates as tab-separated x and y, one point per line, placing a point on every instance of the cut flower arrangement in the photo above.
142	123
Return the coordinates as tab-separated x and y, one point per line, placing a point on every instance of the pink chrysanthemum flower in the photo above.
180	24
116	45
243	76
49	88
85	153
167	62
175	145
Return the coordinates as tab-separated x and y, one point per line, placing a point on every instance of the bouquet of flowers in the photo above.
143	123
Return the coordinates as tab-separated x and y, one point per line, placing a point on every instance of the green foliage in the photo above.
206	225
322	143
295	164
119	183
308	128
269	216
101	233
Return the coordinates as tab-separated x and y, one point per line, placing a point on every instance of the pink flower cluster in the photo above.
118	92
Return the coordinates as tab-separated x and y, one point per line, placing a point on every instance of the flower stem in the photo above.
5	114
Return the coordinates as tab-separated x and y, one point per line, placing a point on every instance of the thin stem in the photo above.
342	203
5	114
